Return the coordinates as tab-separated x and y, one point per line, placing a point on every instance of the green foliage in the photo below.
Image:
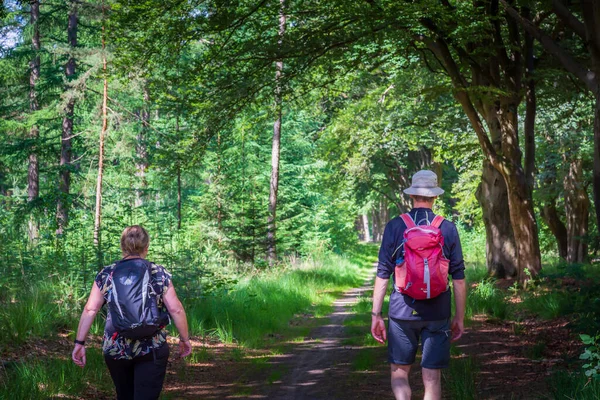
488	299
459	379
591	356
53	377
263	304
568	385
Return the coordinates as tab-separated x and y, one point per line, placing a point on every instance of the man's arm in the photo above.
377	324
460	301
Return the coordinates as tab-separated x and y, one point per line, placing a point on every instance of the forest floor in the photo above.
334	358
512	360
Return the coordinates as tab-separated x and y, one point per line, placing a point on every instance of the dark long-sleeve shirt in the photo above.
404	307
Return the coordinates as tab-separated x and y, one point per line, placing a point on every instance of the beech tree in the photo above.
583	21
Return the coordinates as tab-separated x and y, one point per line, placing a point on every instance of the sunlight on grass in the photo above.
486	298
53	377
264	303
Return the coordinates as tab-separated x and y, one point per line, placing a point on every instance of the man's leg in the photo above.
403	342
436	356
400	384
432	380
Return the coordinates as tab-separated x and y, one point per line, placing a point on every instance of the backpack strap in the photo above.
437	221
408	221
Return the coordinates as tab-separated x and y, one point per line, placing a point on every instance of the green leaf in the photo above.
586	339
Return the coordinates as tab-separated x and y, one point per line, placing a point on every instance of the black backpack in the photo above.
132	301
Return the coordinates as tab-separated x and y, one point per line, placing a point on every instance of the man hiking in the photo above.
420	250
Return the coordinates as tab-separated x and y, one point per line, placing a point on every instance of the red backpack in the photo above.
423	271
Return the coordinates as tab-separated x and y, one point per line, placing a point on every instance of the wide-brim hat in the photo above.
424	183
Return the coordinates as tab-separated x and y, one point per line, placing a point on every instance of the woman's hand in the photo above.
79	355
185	348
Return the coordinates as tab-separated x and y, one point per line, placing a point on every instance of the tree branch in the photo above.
568	18
588	77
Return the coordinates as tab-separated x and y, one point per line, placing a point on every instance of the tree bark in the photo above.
530	108
577	207
33	181
62	208
178	178
275	152
591	16
141	152
596	168
508	161
500	248
98	214
365	225
558	229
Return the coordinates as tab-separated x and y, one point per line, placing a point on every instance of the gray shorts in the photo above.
403	341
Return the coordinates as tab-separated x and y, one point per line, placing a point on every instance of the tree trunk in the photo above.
275	152
33	181
141	151
492	195
98	215
500	248
520	199
577	207
62	208
558	229
596	172
530	109
219	187
178	178
365	225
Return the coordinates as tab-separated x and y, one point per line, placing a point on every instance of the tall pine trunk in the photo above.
98	215
178	177
141	150
62	208
275	151
33	181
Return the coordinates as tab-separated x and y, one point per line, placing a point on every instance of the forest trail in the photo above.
512	361
320	357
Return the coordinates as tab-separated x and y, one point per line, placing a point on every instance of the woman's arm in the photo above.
179	318
93	305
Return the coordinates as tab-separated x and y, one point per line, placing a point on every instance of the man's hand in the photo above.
458	328
378	329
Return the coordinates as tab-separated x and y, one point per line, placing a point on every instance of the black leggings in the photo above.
140	378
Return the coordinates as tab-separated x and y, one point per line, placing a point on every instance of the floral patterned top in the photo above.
113	344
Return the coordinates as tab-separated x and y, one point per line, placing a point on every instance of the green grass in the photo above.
459	378
265	303
365	361
201	355
567	385
259	305
44	378
41	308
486	298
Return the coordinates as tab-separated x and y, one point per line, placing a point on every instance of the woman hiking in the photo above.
139	294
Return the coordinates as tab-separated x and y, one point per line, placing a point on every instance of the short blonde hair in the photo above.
134	240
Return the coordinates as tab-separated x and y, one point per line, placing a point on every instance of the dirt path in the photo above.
320	356
512	360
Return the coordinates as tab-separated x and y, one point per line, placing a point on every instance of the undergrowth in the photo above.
259	305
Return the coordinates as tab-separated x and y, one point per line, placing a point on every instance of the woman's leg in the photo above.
149	374
121	372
